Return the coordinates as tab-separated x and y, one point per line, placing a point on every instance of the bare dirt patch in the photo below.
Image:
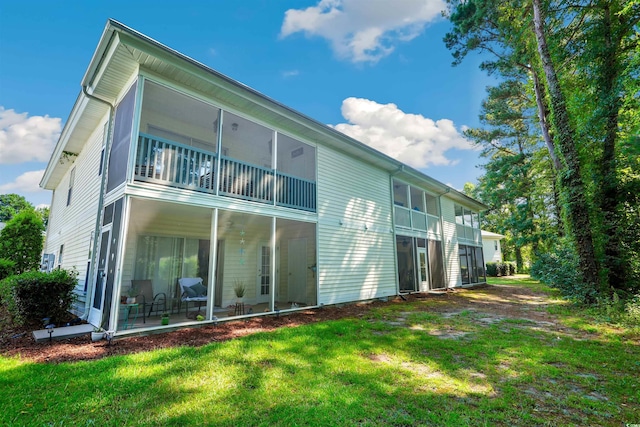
490	302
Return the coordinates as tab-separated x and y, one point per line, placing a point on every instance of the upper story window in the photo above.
467	223
176	117
72	178
247	141
296	158
400	197
414	208
433	207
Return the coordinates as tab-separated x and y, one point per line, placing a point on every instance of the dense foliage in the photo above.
7	268
21	241
12	204
561	135
498	269
35	295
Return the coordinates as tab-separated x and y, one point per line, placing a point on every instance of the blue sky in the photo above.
375	69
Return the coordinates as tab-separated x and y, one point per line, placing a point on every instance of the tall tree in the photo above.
11	204
579	55
516	183
21	241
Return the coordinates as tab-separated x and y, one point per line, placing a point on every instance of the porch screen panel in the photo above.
481	273
436	264
119	155
160	259
113	256
464	264
406	264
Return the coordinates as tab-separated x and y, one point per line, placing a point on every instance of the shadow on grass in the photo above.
386	369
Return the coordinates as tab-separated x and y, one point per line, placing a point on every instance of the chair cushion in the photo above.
190	292
199	289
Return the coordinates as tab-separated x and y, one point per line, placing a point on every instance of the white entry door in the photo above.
264	282
97	305
422	269
297	266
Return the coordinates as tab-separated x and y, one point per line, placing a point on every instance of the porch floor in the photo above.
175	318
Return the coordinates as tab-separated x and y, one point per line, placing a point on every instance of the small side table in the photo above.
127	313
239	309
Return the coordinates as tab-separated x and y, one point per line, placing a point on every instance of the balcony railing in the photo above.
175	165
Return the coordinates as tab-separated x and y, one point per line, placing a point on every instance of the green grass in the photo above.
395	366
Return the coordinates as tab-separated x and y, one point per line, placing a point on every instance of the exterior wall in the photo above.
73	225
353	263
490	252
450	242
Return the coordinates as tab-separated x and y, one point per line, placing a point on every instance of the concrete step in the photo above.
62	332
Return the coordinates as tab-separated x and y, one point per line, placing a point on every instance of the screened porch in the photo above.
186	143
171	265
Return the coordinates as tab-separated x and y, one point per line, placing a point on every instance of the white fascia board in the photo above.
72	121
98	54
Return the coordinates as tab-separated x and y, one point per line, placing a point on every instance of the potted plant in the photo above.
239	289
97	334
132	293
164	319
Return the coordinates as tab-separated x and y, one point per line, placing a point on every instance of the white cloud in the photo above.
26	139
290	73
363	30
28	182
410	138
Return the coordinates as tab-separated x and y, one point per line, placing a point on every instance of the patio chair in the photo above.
146	298
192	289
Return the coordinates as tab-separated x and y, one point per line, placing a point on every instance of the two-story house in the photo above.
184	184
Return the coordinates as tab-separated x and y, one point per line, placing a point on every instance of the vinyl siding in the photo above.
353	263
451	258
72	225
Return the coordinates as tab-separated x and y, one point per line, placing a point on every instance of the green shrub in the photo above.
559	269
632	309
35	295
497	269
7	268
492	269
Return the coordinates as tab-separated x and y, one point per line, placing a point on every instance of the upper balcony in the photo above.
169	163
184	142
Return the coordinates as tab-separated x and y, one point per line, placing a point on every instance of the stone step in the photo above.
63	332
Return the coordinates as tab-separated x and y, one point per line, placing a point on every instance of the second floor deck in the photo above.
169	163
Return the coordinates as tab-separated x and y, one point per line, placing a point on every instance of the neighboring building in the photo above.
491	246
169	170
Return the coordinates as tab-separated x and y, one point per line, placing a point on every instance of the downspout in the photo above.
103	183
444	257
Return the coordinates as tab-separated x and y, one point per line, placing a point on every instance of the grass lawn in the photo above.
509	354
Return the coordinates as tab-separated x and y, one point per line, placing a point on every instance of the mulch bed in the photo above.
81	348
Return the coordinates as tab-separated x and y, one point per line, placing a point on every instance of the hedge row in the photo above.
506	268
34	295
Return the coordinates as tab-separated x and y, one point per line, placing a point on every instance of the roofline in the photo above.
394	163
113	26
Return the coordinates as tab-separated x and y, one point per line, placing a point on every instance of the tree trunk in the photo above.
543	114
609	103
519	262
572	186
